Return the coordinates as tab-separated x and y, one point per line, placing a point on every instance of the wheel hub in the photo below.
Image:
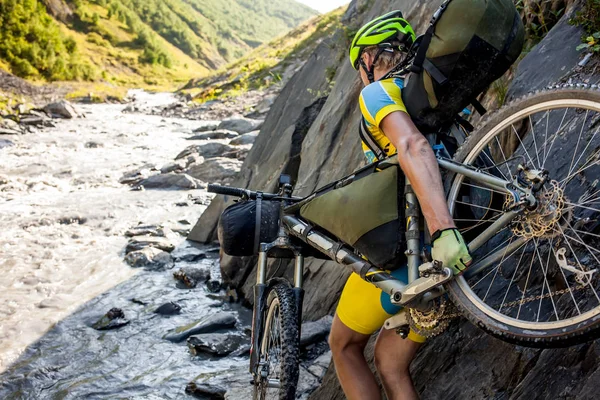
541	222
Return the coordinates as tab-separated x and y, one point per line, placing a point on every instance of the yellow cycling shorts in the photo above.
364	308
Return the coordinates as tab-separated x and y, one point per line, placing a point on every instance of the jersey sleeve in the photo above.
380	99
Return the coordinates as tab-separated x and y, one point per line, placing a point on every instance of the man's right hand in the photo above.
449	247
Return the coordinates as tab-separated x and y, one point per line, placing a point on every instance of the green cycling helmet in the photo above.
389	31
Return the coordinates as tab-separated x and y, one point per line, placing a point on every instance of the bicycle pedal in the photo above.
415	290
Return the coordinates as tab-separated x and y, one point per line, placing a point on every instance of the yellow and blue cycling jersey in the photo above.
377	101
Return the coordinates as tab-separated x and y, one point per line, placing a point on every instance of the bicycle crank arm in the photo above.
419	287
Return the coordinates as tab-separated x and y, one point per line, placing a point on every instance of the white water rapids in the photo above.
63	212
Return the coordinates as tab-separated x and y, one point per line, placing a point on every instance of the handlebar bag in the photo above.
366	212
237	227
469	44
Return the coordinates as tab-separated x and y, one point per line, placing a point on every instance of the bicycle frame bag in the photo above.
468	45
237	229
365	211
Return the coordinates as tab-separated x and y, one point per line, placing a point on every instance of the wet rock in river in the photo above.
216	344
207	150
93	145
5	143
150	258
205	391
192	257
315	331
213	286
190	277
9	127
170	181
114	318
218	134
135	176
148	230
247	138
209	324
206	126
173	167
169	308
241	125
141	242
61	109
215	169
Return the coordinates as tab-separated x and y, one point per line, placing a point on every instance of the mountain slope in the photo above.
132	41
270	63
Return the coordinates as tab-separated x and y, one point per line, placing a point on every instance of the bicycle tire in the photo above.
281	311
487	319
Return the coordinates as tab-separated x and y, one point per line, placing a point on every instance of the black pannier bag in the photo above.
237	227
469	44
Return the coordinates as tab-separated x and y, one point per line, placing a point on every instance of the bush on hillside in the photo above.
33	45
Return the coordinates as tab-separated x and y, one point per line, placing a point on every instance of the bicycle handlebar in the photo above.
232	191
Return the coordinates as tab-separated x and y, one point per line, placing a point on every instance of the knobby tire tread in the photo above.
591	329
289	338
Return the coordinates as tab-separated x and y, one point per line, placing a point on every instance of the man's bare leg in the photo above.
393	356
347	347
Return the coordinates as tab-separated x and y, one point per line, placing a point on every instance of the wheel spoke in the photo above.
583	168
555	136
525	288
522	144
497	269
478	206
537	152
546	284
512	279
577	145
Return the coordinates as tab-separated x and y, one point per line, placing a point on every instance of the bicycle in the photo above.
527	210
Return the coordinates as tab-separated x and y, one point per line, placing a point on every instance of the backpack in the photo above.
468	45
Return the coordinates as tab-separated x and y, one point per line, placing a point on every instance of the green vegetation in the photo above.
33	46
538	17
160	43
267	64
589	19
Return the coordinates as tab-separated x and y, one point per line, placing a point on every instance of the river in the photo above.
63	212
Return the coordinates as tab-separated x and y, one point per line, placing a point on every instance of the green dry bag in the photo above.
469	44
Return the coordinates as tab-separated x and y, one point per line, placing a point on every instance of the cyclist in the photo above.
378	47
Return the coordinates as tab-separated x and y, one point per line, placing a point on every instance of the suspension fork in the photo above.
260	299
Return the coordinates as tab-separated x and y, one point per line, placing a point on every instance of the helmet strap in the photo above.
368	71
371	71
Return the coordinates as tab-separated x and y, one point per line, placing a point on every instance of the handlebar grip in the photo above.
226	190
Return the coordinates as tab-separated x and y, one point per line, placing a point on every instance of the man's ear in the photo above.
367	58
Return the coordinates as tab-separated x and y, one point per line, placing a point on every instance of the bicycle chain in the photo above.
430	324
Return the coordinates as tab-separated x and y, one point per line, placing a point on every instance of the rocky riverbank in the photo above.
97	204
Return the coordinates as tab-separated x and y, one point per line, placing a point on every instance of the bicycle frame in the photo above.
345	255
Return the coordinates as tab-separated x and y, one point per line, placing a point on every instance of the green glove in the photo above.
449	247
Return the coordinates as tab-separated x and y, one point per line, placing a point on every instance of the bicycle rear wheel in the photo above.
543	290
279	351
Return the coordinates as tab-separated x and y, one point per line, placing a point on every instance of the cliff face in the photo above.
464	362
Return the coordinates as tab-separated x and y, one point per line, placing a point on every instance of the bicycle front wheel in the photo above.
279	351
542	290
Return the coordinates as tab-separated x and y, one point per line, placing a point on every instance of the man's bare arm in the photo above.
420	166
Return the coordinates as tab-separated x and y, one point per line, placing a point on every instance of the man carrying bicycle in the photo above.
378	47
